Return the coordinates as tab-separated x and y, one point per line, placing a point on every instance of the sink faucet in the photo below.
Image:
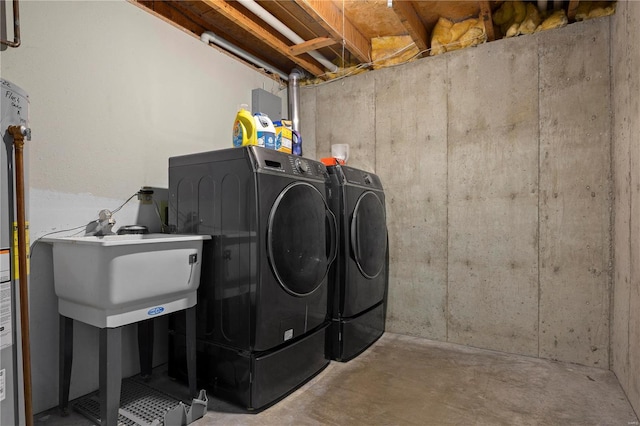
102	226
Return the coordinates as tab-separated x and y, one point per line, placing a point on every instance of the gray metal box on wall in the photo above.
266	103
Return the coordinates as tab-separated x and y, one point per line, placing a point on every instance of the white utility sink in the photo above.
116	280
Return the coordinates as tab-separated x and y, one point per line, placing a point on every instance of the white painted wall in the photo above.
114	93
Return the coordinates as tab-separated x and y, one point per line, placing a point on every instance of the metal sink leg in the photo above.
110	375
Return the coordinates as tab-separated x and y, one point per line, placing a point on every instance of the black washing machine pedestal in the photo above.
253	380
352	336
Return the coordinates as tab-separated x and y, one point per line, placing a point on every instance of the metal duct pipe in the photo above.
16	27
294	99
285	31
542	5
209	37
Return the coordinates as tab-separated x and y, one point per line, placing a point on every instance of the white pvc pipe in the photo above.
267	17
209	37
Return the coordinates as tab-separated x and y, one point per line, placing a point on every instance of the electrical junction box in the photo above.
266	103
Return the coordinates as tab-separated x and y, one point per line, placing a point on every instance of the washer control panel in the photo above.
302	166
278	162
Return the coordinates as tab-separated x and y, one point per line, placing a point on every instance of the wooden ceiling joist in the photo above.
572	9
412	23
225	9
307	46
165	12
333	21
485	15
340	30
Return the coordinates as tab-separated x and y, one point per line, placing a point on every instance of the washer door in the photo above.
301	238
369	235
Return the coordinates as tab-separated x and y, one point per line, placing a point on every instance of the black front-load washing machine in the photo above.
359	276
262	313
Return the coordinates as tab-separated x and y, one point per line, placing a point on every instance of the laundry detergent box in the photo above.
283	135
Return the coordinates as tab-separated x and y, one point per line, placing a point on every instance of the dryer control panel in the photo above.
352	176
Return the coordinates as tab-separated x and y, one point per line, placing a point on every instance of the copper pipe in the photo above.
18	142
16	27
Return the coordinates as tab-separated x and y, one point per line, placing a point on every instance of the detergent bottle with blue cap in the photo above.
244	128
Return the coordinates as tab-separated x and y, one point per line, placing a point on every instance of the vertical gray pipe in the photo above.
294	99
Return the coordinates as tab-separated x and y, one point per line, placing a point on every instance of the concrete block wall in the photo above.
625	63
493	197
496	166
411	124
575	186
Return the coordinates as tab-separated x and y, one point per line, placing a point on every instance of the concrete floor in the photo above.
405	380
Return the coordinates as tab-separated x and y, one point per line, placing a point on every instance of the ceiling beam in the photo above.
485	16
412	23
315	44
572	9
257	30
331	18
164	11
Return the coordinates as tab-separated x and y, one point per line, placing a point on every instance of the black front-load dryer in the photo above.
359	277
262	313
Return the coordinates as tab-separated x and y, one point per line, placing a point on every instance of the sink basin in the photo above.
116	280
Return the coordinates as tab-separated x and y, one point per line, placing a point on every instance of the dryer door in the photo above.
301	238
369	235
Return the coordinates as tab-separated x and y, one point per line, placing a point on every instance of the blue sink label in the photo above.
155	311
